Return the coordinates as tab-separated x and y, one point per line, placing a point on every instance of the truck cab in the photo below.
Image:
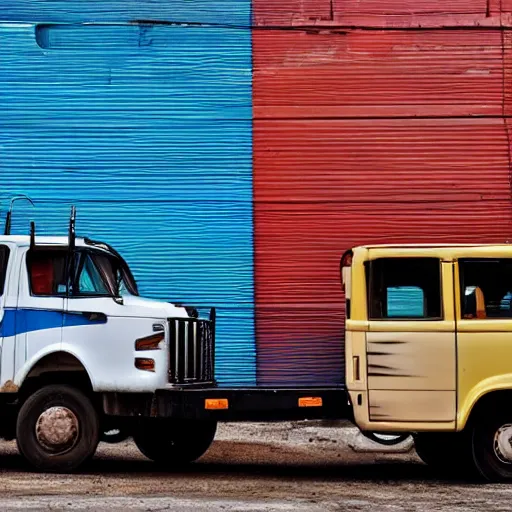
82	355
429	350
40	318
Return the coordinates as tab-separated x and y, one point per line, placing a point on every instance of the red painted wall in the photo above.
380	13
367	73
363	135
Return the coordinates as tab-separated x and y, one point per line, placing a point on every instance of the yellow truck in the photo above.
429	350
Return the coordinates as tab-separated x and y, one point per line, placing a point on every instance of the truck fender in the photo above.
483	388
54	349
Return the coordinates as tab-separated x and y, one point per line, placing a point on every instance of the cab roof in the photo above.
445	251
434	246
24	240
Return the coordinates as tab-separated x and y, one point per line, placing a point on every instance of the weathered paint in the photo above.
380	13
229	12
127	118
426	350
322	186
147	129
340	160
377	73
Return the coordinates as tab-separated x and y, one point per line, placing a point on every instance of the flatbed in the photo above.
234	404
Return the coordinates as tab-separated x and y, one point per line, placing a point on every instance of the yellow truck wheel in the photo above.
447	452
492	447
386	439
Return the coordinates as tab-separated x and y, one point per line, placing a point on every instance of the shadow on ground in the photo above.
236	460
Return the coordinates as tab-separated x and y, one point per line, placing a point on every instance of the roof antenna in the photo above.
72	232
71	251
32	235
7	230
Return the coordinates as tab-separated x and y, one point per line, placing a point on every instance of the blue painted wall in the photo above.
147	129
226	12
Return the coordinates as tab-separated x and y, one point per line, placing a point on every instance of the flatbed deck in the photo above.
235	404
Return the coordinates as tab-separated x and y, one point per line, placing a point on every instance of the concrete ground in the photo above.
251	468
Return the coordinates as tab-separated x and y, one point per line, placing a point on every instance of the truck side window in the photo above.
486	288
4	259
89	281
405	301
404	289
47	272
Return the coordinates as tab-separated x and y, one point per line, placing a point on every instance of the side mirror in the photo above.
118	300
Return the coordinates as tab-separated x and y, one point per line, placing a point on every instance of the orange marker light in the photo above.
216	403
147	365
310	401
150	342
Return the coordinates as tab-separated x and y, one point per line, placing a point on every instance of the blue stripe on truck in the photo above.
20	321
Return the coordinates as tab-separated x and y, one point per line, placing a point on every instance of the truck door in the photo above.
97	329
6	319
40	306
484	327
411	343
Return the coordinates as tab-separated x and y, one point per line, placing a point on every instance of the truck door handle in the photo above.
356	368
92	316
95	317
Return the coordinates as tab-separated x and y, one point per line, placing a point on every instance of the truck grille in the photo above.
192	350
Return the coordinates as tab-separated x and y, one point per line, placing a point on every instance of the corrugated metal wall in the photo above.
380	13
367	134
240	155
147	128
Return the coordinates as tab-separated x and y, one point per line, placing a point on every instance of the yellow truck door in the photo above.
484	329
411	342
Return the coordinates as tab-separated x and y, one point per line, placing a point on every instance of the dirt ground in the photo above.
251	468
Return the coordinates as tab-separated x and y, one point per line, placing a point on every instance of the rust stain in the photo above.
9	387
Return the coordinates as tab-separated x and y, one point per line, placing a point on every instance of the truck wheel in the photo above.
492	447
174	442
57	429
446	452
386	439
114	436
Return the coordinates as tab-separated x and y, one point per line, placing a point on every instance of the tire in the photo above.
114	436
446	452
36	431
386	439
492	446
173	443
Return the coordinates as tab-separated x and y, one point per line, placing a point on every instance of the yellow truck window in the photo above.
404	288
486	287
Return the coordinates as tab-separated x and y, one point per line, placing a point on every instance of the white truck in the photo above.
75	336
82	356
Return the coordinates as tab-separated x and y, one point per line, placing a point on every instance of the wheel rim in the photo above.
385	438
388	438
503	444
57	430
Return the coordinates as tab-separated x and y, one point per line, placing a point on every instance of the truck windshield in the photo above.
116	273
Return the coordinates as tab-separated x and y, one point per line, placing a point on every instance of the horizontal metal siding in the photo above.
339	159
229	12
399	160
507	73
300	346
148	131
322	186
285	12
379	13
368	73
410	7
